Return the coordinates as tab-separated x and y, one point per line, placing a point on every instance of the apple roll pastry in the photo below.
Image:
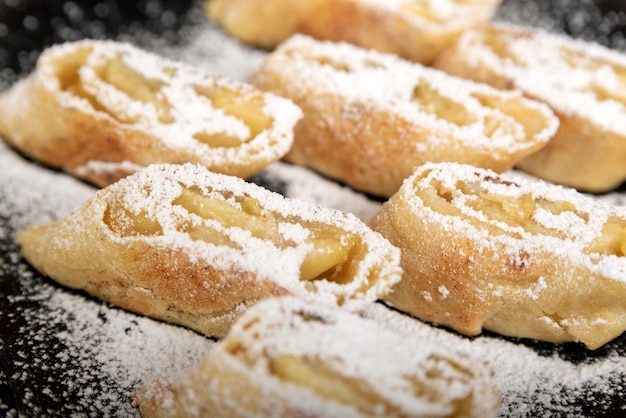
416	30
584	84
288	358
521	258
101	109
185	245
371	118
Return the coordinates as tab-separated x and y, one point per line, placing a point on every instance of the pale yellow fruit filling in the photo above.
518	211
137	87
421	9
424	9
245	107
499	116
439	372
325	383
431	101
329	247
576	60
429	381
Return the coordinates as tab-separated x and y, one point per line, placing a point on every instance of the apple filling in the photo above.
519	211
131	86
499	117
329	248
330	384
247	108
431	101
500	46
116	73
425	9
325	383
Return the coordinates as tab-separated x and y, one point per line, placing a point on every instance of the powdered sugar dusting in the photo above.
154	191
532	380
570	230
92	354
391	84
437	13
531	377
211	49
93	166
536	61
187	110
89	378
354	348
310	186
118	352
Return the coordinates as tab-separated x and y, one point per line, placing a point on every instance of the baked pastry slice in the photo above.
287	358
520	258
371	118
584	84
101	109
414	29
196	248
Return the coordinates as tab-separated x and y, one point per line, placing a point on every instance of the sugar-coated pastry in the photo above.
101	109
288	358
584	84
371	118
414	29
522	258
193	247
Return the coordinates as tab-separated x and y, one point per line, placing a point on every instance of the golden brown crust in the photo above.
370	118
105	109
582	82
287	358
417	31
582	155
262	23
482	250
185	245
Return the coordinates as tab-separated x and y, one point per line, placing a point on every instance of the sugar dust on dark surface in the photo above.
63	353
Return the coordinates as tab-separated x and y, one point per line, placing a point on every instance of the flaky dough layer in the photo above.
414	30
287	358
523	259
185	245
371	118
582	82
100	110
